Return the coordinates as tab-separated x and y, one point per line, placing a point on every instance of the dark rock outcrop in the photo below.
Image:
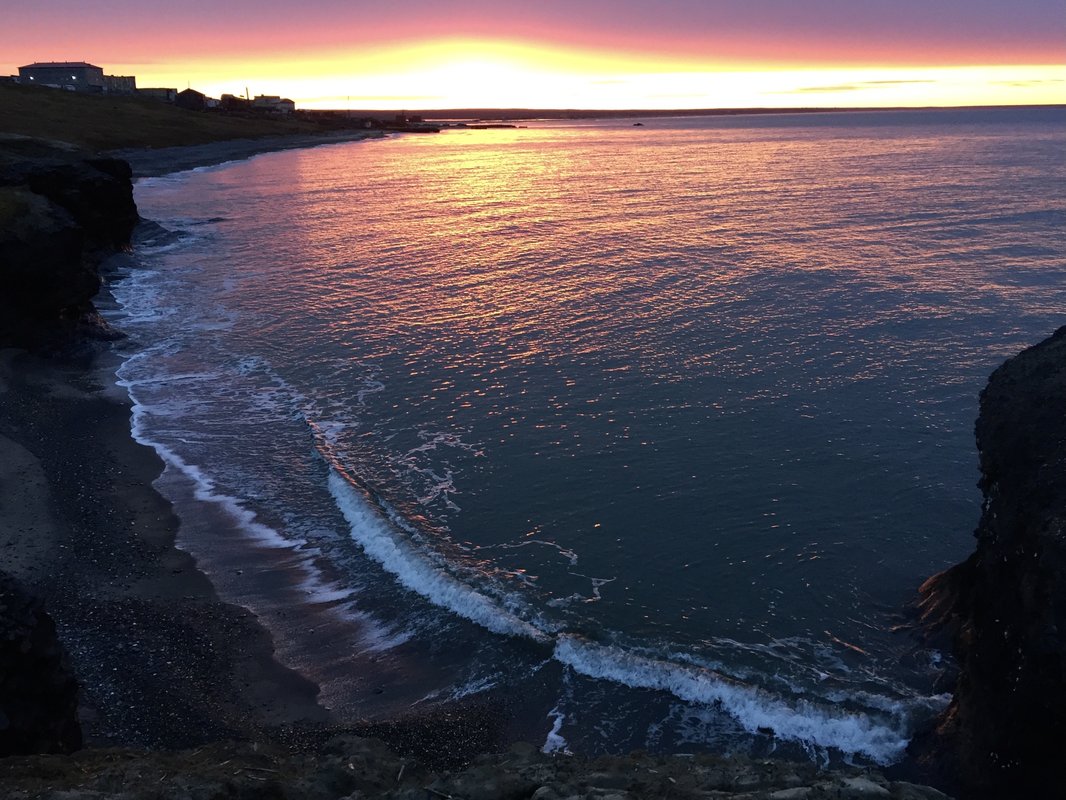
1004	733
38	692
60	214
356	769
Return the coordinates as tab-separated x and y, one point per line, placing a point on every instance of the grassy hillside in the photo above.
107	123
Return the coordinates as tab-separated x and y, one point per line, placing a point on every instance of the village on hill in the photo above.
80	76
85	79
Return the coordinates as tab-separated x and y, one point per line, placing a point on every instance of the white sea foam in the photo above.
567	553
475	686
414	571
204	487
176	179
880	739
371	387
374	637
555	742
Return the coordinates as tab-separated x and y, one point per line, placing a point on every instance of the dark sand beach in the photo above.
162	662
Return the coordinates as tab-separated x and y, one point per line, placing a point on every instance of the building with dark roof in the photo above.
77	76
191	99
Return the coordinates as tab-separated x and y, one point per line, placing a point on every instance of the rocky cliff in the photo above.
38	692
1004	734
61	213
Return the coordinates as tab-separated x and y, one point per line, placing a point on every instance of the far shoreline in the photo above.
153	162
148	162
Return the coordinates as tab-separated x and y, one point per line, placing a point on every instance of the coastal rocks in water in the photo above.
60	215
352	768
38	692
1004	733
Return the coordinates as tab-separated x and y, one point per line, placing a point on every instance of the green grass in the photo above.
113	122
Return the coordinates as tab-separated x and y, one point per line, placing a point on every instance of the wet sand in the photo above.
162	661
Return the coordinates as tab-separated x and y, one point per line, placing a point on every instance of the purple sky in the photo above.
807	31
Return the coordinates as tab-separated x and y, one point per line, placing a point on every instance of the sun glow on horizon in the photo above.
458	73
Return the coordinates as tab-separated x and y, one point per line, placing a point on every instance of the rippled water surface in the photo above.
656	428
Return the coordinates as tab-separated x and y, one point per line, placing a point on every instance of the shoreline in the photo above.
162	661
156	162
146	632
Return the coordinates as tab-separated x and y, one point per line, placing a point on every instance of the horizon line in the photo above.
665	112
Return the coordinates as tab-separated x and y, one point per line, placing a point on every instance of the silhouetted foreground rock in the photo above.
1004	734
61	213
38	693
353	768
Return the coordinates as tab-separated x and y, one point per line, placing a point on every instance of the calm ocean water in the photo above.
647	432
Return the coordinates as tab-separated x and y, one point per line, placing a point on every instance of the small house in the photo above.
273	104
191	99
231	102
162	94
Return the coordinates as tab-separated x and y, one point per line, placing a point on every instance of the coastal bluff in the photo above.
1004	733
62	211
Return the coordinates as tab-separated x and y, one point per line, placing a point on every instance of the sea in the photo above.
645	434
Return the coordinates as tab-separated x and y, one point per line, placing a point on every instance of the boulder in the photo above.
38	692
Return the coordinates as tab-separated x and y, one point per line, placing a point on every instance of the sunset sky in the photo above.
574	53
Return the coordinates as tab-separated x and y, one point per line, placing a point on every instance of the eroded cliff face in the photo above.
1004	734
61	213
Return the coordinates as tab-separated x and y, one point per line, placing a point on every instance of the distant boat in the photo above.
638	124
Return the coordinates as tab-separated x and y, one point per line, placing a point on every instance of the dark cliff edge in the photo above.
62	211
1004	733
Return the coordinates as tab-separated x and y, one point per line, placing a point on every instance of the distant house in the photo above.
191	99
274	104
76	76
166	95
231	102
